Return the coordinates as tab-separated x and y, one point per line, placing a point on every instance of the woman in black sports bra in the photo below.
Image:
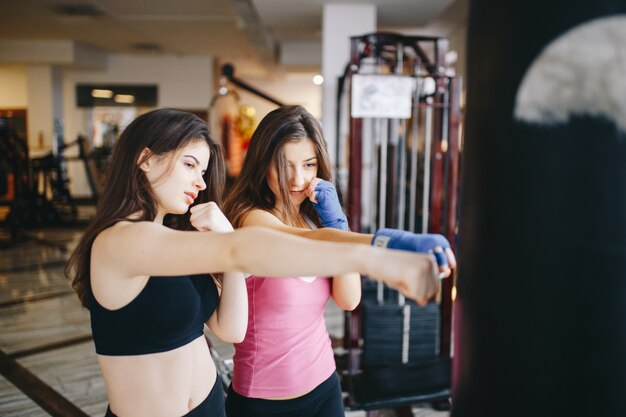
143	272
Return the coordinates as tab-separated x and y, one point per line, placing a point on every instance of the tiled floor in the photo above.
45	342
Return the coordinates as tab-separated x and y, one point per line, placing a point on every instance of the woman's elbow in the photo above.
348	304
234	336
346	291
232	333
353	304
237	338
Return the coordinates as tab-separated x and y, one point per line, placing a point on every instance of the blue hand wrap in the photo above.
422	243
328	208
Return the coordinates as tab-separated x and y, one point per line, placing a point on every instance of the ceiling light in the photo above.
318	80
124	98
97	93
451	57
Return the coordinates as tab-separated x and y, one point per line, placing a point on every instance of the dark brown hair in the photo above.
127	190
250	190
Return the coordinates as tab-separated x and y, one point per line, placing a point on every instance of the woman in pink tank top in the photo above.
285	364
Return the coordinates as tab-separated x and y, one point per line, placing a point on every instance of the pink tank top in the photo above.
287	349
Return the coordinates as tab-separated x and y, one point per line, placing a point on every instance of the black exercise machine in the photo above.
40	186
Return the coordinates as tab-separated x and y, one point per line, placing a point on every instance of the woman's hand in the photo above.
428	243
209	217
310	190
414	275
325	200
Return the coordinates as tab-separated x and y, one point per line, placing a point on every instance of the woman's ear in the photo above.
145	159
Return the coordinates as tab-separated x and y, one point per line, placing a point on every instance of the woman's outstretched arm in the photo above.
146	248
346	288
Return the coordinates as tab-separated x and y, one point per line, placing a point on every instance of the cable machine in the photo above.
398	144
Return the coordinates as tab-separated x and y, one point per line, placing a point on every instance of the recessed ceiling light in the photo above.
100	93
124	98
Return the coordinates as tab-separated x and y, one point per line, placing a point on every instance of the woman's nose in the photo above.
298	178
200	183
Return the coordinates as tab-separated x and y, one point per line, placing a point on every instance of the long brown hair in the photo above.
127	190
251	191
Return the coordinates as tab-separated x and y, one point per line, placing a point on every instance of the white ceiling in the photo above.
230	30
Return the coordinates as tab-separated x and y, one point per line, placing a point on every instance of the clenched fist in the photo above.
209	217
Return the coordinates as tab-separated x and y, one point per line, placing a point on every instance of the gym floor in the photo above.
47	360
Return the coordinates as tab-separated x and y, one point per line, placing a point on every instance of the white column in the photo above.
57	104
339	22
40	86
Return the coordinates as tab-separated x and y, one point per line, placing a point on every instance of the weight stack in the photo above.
384	332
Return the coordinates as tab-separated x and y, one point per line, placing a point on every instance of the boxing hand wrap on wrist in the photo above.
422	243
328	208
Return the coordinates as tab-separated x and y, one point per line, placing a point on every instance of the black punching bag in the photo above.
540	317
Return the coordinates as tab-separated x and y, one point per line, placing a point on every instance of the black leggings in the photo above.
212	406
323	401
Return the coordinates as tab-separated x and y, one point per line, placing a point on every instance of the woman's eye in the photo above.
189	165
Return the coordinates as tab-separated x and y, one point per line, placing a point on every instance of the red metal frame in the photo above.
443	210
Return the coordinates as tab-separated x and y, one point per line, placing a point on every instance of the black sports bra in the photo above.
168	313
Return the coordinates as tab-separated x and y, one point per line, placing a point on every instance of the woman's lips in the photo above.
190	197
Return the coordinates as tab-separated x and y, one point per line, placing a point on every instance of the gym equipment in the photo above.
13	176
399	333
397	161
40	191
52	202
228	72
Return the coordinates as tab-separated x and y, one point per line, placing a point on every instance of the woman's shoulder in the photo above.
270	219
130	226
127	231
124	243
260	217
